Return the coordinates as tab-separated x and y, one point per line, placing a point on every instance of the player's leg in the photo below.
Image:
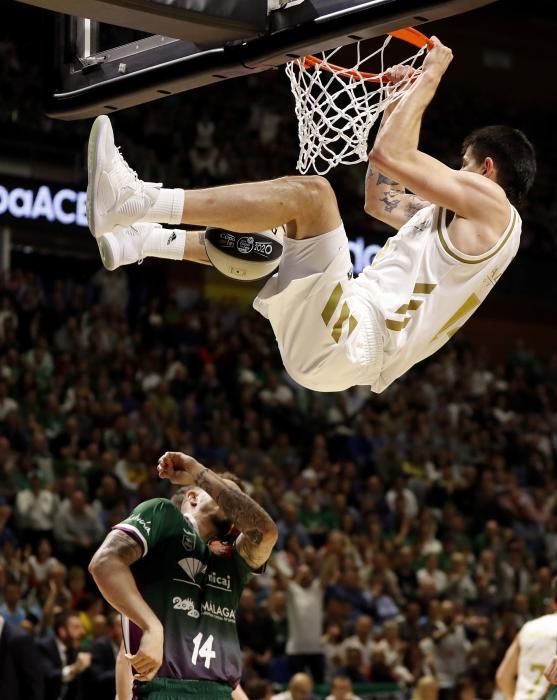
127	245
117	197
306	203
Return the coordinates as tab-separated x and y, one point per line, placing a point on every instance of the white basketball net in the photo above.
336	107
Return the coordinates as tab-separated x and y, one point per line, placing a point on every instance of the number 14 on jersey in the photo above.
203	651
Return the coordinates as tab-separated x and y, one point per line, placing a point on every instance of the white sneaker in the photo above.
115	195
125	246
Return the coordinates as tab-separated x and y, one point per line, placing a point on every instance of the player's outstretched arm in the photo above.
110	567
258	530
385	198
507	671
396	154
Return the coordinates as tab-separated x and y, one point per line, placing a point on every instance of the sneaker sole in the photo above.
107	255
93	171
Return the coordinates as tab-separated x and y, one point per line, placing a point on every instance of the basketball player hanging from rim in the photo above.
459	230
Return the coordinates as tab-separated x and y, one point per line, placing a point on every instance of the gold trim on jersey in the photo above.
469	305
397	325
423	288
329	311
337	328
504	238
413	305
331	305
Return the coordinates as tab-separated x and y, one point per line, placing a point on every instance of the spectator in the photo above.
21	674
13	610
394	652
63	663
300	687
460	586
333	650
255	632
35	510
362	639
101	681
341	689
353	666
288	524
432	574
446	649
305	596
77	528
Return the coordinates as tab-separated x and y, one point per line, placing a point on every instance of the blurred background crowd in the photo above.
417	527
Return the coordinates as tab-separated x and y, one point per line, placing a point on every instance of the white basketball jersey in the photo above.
426	289
537	640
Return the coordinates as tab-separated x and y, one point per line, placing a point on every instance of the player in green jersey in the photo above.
180	630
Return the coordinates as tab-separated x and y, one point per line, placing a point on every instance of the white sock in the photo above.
165	243
168	207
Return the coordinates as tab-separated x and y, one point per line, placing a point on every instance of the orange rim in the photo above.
409	34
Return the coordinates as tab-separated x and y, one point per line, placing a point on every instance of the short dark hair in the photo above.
513	155
61	619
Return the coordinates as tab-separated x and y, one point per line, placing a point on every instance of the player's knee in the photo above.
310	192
319	192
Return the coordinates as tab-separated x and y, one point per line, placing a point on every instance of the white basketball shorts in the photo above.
329	335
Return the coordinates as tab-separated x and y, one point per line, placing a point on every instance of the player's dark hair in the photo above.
61	619
513	155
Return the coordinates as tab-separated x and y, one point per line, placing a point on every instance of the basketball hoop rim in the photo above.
408	34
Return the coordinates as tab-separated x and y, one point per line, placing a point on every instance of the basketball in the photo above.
244	256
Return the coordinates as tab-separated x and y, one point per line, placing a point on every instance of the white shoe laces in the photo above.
125	171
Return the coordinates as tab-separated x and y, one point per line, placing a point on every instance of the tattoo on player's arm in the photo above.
384	180
257	527
118	544
391	200
414	205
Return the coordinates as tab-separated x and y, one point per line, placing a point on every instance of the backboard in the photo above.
178	45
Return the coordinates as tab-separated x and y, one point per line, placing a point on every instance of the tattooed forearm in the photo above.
247	515
391	200
384	180
258	531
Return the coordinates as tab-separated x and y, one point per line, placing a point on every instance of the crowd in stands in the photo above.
417	528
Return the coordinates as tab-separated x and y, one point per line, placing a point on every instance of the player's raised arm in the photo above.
258	530
110	567
397	156
385	198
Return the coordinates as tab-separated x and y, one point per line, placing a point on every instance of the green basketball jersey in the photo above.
193	591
